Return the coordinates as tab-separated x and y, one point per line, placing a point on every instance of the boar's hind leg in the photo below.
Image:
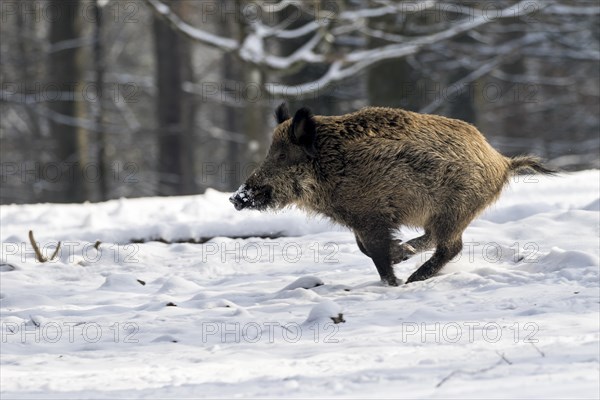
422	243
446	231
376	244
444	252
404	251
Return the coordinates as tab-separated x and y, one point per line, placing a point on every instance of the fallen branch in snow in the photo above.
501	361
504	358
35	322
38	253
538	350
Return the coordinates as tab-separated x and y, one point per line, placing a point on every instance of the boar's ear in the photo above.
282	113
303	131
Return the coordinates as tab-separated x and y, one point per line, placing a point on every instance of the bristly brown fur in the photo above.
530	163
379	168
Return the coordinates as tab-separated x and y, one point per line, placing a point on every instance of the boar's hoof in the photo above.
415	277
392	281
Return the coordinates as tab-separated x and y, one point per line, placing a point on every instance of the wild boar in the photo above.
377	169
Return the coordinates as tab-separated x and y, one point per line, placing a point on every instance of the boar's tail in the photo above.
529	163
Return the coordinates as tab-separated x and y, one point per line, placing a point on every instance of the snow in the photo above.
515	315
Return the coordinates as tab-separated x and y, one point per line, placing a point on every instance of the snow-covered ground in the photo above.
516	315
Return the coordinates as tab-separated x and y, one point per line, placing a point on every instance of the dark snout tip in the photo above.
237	202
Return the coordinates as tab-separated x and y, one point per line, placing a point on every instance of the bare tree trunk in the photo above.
395	83
189	105
98	106
255	122
232	68
175	164
64	73
255	126
27	71
462	105
325	101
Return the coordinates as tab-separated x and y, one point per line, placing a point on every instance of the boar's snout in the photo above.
237	201
257	198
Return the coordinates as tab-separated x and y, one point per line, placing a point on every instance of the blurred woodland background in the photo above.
103	99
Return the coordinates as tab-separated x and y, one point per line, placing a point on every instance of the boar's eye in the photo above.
282	157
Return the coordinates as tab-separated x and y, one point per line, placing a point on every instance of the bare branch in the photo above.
501	361
588	55
535	80
55	252
506	360
304	53
360	60
62	119
345	65
70	44
38	253
278	7
387	9
303	30
538	350
251	50
200	35
571	10
486	68
460	84
379	34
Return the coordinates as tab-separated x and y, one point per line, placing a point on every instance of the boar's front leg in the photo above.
376	243
361	246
